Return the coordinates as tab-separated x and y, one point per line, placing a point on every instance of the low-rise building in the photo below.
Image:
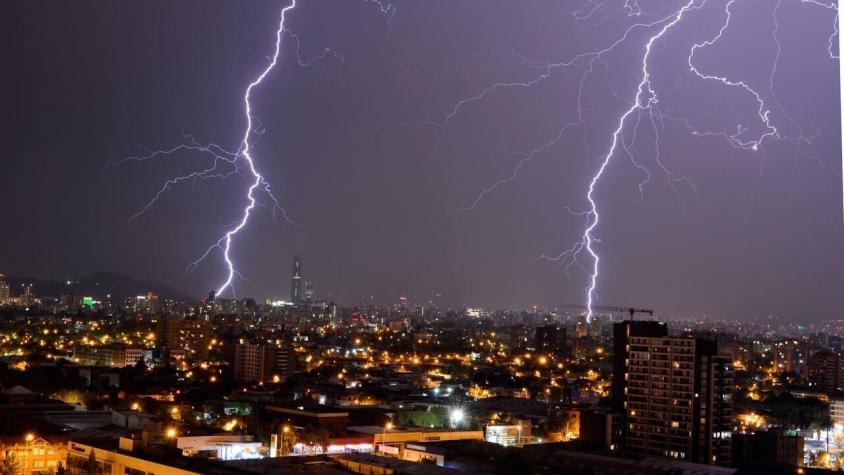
773	447
220	446
31	453
334	422
393	441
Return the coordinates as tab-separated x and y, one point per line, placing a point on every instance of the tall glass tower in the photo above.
296	280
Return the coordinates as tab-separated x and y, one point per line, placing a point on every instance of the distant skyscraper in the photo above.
296	280
26	298
4	290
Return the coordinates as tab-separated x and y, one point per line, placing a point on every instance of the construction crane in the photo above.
604	308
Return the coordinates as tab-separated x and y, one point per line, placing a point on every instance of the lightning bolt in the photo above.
830	49
829	6
645	103
645	91
387	8
259	183
764	113
226	163
545	70
832	55
644	99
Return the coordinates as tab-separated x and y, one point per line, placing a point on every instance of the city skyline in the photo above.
439	237
374	203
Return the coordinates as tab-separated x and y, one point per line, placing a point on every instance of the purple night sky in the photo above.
353	150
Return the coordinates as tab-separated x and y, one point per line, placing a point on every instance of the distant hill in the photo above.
97	285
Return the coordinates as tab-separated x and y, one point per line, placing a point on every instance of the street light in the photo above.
171	433
456	416
387	426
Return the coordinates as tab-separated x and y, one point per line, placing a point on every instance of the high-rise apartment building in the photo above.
789	356
192	336
622	332
248	362
519	336
269	362
583	348
5	297
774	446
826	370
679	399
296	280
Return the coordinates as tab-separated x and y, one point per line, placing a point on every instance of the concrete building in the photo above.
5	296
789	356
332	421
34	453
265	362
507	435
122	458
220	446
836	410
393	442
622	332
369	464
478	457
826	370
773	447
550	339
115	355
114	451
601	428
191	336
679	400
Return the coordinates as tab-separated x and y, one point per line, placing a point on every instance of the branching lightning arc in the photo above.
226	163
645	102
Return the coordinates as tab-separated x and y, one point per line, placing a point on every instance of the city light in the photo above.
456	416
699	327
